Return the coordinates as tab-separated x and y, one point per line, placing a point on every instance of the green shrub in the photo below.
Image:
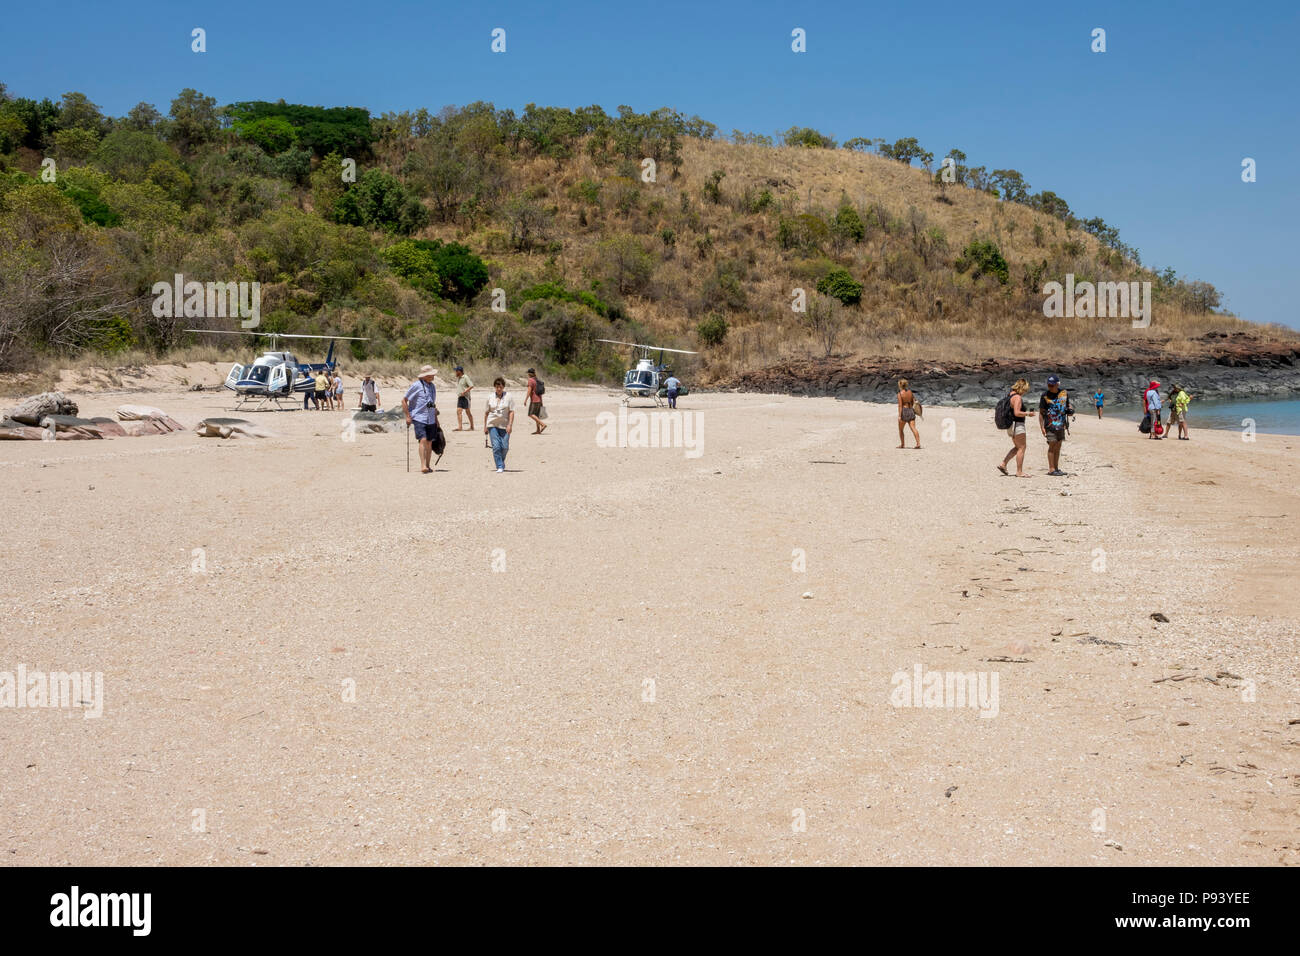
839	284
712	331
983	257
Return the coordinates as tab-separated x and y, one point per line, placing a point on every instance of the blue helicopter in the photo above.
277	376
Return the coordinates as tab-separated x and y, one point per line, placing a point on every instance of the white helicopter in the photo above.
276	376
647	379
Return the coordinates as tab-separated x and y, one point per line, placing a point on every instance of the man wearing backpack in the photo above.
536	389
1054	410
1151	405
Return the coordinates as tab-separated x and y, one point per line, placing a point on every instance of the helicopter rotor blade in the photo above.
653	348
278	335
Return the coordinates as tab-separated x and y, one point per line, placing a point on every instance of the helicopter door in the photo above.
279	380
236	373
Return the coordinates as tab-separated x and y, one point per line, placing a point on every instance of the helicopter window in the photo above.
645	378
258	373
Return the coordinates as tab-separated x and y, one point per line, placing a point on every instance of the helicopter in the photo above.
647	379
277	375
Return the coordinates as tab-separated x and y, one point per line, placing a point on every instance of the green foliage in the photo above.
380	201
624	263
322	130
127	155
75	145
848	225
840	285
808	138
274	134
805	232
560	292
713	186
712	331
113	334
449	270
414	262
585	191
983	257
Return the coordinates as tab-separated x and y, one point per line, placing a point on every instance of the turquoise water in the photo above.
1273	417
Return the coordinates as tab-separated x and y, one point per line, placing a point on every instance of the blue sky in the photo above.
1149	135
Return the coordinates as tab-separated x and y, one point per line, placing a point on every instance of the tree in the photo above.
380	201
77	112
624	263
858	144
808	138
712	331
906	150
74	145
128	154
1010	185
824	321
194	120
142	118
273	134
529	222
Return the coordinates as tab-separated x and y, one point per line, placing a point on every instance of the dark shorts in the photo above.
1054	437
534	408
367	408
423	432
463	402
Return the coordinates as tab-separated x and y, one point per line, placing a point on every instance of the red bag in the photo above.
1159	429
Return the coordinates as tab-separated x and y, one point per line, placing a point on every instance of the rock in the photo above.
1160	618
32	409
11	430
109	428
70	427
159	421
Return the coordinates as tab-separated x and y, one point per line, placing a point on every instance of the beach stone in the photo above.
229	428
11	430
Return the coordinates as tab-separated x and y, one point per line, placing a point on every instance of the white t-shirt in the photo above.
499	409
368	393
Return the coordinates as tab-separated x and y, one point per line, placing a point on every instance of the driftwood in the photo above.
32	409
229	428
11	430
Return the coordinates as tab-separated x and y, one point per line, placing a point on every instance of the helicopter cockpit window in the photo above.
258	373
645	378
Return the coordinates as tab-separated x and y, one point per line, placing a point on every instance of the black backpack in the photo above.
1002	416
539	389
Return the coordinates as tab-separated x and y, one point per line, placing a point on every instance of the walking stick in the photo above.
408	448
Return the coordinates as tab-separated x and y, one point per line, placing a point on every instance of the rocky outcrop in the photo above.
1231	367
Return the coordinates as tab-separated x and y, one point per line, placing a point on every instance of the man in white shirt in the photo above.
369	395
499	422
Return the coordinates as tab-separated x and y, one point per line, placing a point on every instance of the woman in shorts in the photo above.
1017	430
906	413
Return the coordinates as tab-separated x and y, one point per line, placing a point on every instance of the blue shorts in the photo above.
423	432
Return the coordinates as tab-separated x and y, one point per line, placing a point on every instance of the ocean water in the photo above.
1271	417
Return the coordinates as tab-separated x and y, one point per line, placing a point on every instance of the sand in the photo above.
308	657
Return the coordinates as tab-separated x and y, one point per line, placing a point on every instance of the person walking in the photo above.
463	387
1151	404
906	413
1016	431
418	403
1099	399
1053	420
321	396
499	422
369	395
535	391
673	385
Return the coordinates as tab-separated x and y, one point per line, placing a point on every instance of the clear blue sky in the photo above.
1149	135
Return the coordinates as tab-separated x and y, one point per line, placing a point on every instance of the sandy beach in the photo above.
616	655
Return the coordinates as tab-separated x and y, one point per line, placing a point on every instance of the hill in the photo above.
483	235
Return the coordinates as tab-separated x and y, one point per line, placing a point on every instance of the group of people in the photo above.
327	393
1054	414
419	404
1175	401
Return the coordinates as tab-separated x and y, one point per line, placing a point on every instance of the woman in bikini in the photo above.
906	413
1017	430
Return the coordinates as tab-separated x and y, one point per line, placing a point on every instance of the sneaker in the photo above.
501	471
1056	474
